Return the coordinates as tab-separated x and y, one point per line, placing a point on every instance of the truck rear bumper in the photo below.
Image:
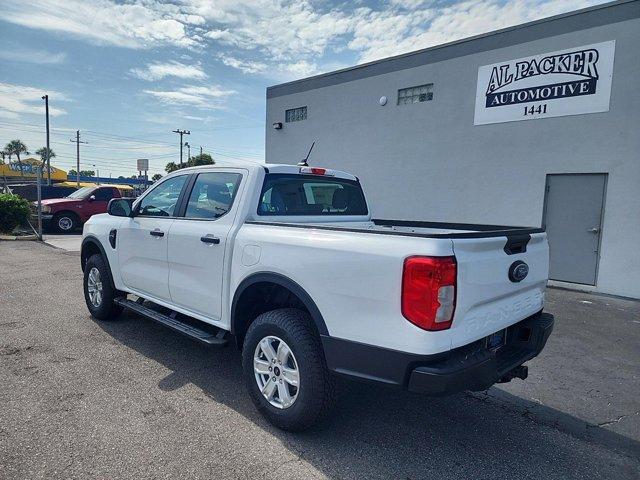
471	367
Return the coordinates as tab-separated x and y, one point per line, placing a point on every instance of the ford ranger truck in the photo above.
287	263
68	213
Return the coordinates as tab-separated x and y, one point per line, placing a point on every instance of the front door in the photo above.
99	202
198	243
573	220
142	240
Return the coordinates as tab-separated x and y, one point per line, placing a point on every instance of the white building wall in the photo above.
428	161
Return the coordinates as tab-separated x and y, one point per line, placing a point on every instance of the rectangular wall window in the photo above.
421	93
295	114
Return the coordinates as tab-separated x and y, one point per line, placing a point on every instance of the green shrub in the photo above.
14	211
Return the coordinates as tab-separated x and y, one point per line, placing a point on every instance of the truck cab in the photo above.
68	213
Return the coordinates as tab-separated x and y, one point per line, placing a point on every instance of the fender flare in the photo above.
91	239
285	282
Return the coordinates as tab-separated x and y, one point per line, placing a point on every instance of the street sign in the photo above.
143	164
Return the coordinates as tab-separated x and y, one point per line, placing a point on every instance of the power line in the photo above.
133	140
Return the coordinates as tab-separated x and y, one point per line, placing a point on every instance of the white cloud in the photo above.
382	34
277	37
292	38
246	66
19	99
27	55
205	97
158	71
299	69
283	30
129	25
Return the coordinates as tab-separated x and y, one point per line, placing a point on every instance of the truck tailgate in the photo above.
487	299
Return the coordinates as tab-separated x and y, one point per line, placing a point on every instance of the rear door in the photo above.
142	240
488	297
199	242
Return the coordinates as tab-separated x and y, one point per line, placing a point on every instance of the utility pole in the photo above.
201	150
77	142
46	108
181	132
186	144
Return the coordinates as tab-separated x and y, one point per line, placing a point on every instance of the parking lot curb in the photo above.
18	237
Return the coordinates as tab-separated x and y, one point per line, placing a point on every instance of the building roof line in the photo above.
597	15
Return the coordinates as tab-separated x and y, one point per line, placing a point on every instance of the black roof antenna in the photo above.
304	163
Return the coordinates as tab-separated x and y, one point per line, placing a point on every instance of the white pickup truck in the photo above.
287	261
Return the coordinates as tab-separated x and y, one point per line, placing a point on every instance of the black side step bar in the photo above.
218	339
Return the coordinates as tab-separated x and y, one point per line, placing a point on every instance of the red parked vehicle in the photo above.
68	213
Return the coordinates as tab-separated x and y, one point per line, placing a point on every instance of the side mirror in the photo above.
91	198
120	207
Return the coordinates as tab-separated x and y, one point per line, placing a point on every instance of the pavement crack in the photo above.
611	422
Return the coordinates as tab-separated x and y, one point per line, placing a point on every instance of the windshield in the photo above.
82	193
293	194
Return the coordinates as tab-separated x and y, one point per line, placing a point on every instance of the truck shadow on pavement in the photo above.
375	432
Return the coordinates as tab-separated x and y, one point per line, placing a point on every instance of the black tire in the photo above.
65	222
106	309
316	393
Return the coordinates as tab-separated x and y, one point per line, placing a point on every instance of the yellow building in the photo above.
29	170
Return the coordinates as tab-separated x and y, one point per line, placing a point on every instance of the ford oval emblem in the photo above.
518	271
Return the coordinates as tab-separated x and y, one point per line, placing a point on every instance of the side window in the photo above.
104	194
162	200
212	195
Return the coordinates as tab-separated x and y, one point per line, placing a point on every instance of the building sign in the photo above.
567	82
29	170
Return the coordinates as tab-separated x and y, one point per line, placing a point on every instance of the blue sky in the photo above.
128	73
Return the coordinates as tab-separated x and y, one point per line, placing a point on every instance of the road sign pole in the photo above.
39	203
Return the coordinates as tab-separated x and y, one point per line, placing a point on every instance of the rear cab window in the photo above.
296	194
105	194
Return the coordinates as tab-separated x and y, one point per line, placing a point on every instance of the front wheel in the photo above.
65	222
284	369
99	294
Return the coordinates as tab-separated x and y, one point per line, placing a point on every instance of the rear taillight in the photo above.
429	291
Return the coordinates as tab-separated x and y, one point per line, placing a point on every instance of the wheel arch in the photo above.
91	246
247	303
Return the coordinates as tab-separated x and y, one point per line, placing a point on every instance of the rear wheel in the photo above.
65	222
285	371
99	294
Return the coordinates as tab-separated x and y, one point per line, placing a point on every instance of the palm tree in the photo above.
16	147
43	155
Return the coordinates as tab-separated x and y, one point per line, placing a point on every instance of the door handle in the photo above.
156	233
594	230
210	240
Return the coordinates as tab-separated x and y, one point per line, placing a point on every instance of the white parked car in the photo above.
287	262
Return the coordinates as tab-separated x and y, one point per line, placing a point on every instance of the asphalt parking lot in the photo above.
130	399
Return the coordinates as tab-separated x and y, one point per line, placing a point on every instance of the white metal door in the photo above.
573	216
